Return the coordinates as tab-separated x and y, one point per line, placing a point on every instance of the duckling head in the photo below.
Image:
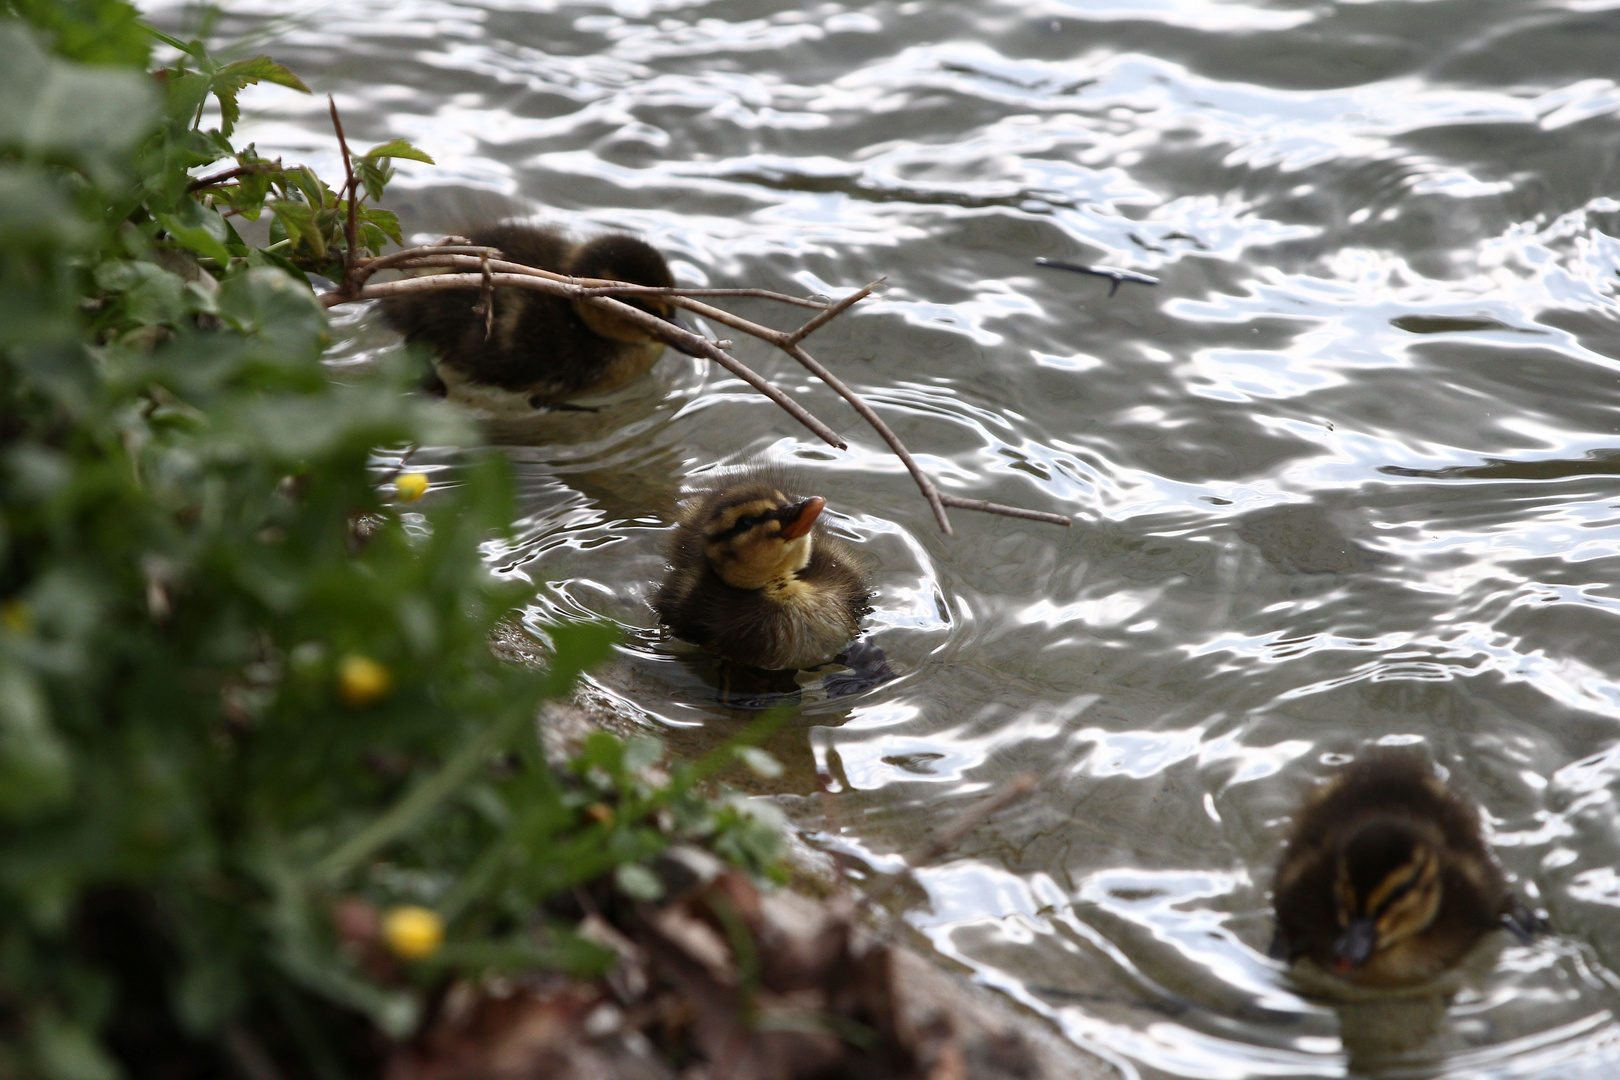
1387	889
759	538
617	257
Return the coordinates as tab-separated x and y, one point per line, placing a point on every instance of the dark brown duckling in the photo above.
1387	879
544	348
756	580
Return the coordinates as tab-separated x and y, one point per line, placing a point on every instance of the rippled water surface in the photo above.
1346	474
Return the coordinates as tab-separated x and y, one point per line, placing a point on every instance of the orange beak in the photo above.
799	518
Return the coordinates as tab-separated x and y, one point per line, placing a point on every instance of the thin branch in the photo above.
831	312
432	256
351	256
222	177
666	331
414	258
493	271
941	843
987	507
626	289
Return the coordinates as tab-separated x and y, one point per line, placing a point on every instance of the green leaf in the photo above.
271	305
373	177
230	80
298	219
199	229
152	296
50	108
265	69
397	148
386	221
34	762
637	882
90	31
67	1051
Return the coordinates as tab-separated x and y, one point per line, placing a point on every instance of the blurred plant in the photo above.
231	725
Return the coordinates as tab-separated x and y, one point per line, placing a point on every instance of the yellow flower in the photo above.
410	486
17	616
362	681
413	933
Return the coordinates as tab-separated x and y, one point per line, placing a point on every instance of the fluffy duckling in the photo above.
754	579
1387	880
541	347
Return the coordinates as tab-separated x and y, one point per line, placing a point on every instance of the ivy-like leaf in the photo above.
199	229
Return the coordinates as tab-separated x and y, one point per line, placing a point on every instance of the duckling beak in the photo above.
1356	944
799	518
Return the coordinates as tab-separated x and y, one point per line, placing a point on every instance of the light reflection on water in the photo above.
1349	473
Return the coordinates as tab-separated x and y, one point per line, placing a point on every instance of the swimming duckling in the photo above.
753	578
542	347
1387	879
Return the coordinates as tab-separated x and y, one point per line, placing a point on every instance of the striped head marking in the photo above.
762	539
1386	889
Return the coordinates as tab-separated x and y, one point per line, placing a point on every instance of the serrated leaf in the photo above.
262	68
298	220
373	178
387	221
305	180
370	237
398	148
230	80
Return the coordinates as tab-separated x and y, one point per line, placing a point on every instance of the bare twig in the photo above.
493	271
620	288
984	506
351	255
829	313
788	343
660	328
486	298
941	843
224	177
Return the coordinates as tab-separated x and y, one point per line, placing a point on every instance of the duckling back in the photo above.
1381	835
540	346
802	621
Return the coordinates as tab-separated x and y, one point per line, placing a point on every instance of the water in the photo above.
1344	475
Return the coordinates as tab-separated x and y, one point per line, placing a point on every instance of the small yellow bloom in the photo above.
410	486
17	616
413	933
362	681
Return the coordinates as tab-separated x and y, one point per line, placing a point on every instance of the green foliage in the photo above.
232	681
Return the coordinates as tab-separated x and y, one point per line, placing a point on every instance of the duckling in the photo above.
542	347
1387	880
754	579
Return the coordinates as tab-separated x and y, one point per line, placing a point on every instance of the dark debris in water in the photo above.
1452	324
1594	463
1113	274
